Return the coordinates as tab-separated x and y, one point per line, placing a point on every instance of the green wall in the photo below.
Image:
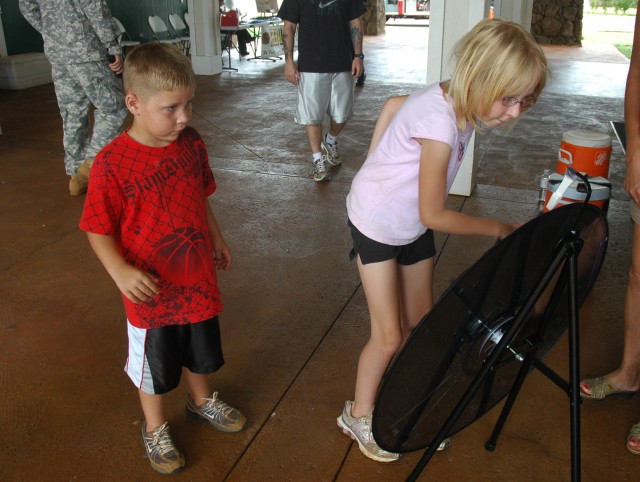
21	37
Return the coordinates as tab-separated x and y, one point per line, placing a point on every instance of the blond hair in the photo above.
157	67
496	59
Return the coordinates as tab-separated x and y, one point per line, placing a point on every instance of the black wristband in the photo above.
360	56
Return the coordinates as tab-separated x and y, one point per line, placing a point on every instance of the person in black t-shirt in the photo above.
329	34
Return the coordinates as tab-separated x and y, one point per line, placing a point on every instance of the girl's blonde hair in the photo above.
157	67
496	59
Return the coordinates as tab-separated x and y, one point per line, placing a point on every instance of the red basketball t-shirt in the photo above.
152	200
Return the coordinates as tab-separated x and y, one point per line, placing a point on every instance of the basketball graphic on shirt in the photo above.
182	255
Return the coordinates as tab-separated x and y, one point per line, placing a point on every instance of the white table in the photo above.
255	27
229	31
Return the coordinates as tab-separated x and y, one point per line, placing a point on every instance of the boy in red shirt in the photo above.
148	220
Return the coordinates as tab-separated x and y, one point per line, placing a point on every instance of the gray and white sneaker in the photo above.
359	429
320	171
217	413
159	448
331	152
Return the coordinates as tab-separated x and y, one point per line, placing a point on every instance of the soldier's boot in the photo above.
84	170
77	186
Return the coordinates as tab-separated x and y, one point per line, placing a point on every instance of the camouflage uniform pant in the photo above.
78	87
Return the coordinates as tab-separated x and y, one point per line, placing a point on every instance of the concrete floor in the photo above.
295	317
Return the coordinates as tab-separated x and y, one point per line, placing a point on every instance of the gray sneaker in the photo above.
159	448
331	152
217	413
359	429
320	171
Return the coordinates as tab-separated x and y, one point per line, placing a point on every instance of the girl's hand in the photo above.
506	229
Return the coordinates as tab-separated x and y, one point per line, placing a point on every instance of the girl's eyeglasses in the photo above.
525	103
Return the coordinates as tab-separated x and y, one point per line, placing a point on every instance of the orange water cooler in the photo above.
586	151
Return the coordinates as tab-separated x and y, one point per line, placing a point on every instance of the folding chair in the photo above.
187	20
124	39
161	32
181	31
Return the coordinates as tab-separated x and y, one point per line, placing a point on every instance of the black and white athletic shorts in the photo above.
157	356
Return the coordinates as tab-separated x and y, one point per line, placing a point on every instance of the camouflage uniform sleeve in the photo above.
98	13
30	9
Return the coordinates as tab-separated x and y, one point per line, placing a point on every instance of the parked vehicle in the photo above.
407	8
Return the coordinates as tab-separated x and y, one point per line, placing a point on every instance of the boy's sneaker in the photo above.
159	448
359	429
320	171
217	413
331	152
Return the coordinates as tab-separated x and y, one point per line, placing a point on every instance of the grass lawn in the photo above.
616	30
625	49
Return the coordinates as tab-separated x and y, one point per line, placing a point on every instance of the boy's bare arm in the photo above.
136	284
221	251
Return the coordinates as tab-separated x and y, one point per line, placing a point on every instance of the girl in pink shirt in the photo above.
398	197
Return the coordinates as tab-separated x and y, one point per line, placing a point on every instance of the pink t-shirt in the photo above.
383	201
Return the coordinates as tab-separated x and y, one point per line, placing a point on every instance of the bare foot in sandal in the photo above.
633	439
615	383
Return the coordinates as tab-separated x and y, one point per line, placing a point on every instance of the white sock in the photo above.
331	139
317	156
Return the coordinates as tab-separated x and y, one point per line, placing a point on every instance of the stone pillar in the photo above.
374	20
557	22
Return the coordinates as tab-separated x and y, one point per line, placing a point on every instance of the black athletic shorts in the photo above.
157	356
371	251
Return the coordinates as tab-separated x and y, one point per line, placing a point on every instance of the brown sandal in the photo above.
634	433
601	388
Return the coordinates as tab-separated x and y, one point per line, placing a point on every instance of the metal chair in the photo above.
124	39
161	32
188	21
181	31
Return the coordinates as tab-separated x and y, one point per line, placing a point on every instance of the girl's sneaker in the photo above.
159	448
359	429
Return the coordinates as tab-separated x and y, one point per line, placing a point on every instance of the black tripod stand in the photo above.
567	255
493	326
